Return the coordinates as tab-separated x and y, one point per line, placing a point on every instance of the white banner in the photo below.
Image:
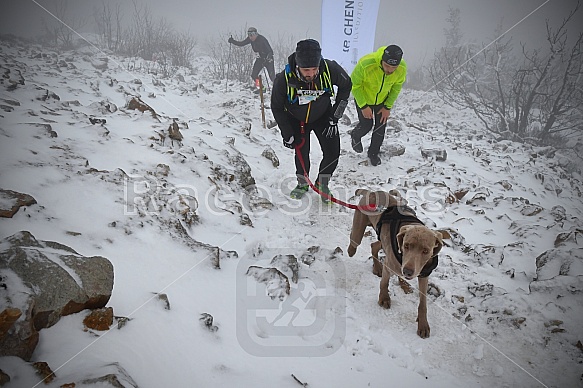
348	30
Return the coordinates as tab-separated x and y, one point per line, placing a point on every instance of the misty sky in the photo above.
416	25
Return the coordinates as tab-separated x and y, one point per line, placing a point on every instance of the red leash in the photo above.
369	207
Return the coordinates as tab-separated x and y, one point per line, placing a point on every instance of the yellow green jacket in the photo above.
370	84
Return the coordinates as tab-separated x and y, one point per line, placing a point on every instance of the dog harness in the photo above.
394	216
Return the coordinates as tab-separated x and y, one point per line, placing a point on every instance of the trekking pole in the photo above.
266	77
262	103
228	66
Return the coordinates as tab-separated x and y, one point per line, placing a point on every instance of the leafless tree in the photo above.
156	40
537	98
283	46
108	18
453	34
555	96
146	36
60	28
181	48
237	61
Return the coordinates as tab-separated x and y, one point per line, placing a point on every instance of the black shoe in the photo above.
374	159
356	145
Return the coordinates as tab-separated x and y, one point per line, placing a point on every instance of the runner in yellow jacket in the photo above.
376	83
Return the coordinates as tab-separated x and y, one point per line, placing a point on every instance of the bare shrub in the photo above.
535	97
238	61
229	59
59	29
108	19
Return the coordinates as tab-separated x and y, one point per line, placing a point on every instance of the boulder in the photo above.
135	103
11	201
44	281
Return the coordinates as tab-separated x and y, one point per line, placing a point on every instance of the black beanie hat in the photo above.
392	55
308	53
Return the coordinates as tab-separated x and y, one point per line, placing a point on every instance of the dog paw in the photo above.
385	302
423	331
351	251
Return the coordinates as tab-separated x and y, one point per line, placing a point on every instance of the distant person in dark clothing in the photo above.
261	46
301	102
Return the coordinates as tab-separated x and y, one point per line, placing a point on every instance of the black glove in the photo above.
290	143
332	130
231	40
269	59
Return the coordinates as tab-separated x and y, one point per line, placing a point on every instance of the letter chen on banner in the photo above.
348	30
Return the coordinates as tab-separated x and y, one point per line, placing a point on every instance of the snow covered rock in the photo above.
11	202
46	280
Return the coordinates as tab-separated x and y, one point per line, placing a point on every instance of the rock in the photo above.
12	201
137	104
395	150
45	94
117	377
46	280
207	320
100	319
566	238
288	264
4	378
482	290
276	282
44	371
270	154
7	319
531	210
174	132
439	155
164	299
559	262
104	107
99	63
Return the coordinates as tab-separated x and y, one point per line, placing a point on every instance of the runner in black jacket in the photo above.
261	46
301	96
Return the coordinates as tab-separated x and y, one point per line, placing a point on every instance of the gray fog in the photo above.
417	26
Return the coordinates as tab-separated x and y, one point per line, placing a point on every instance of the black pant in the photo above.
259	64
365	125
330	147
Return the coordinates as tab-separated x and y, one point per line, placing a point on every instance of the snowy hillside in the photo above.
208	222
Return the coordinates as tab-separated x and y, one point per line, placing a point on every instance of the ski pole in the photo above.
262	102
228	66
266	77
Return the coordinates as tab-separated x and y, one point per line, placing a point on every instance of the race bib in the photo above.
307	96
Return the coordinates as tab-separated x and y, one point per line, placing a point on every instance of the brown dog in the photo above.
416	245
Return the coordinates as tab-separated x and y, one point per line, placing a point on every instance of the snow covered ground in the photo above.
505	304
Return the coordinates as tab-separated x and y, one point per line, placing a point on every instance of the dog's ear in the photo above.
401	235
438	242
